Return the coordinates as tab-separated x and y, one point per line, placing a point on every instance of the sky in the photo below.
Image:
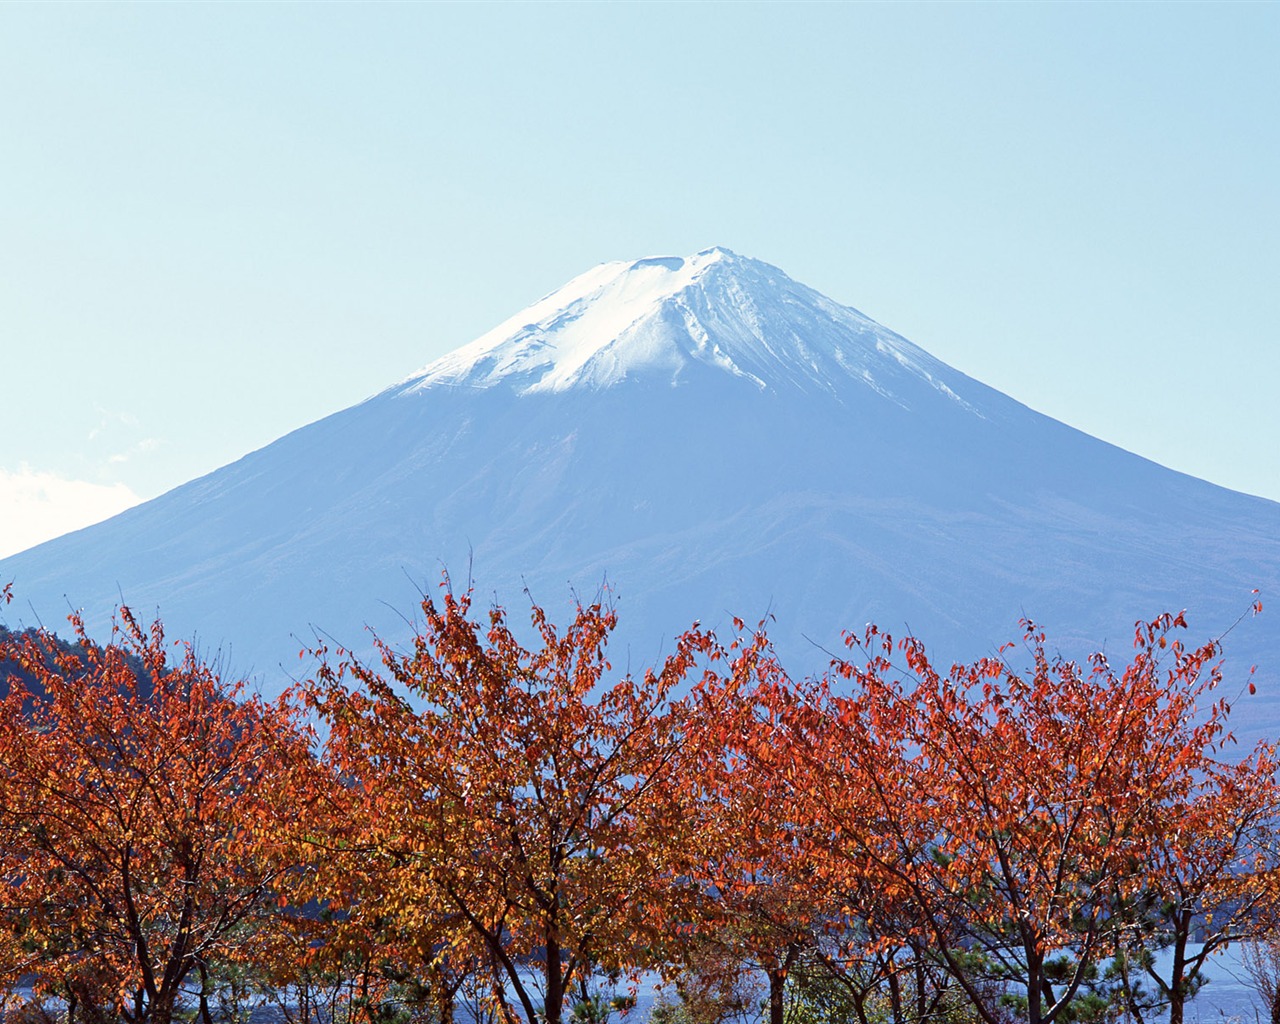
220	222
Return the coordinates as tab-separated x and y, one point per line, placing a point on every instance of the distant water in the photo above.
1227	998
1229	994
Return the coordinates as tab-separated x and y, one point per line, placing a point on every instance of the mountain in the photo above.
714	439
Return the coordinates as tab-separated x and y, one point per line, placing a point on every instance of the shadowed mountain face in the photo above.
713	438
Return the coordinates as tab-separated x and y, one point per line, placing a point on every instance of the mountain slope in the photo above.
715	439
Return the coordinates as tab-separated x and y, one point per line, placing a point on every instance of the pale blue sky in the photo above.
220	222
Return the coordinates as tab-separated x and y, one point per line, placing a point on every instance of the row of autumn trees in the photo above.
1013	839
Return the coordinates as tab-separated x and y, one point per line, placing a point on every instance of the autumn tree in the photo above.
819	921
842	754
343	952
139	796
509	796
1010	808
1211	831
756	903
1206	878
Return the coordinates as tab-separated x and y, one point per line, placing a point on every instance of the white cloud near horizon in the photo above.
143	447
36	506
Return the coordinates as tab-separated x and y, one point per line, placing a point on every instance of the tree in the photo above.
744	848
139	799
1211	853
821	923
844	759
1012	809
508	799
1261	956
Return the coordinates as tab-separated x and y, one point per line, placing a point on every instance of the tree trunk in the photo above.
777	989
895	997
1177	983
554	1003
205	1016
161	1011
1035	1014
444	1007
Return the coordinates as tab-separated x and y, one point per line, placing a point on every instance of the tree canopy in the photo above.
520	823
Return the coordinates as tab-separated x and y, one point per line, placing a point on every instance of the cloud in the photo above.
108	420
38	506
144	447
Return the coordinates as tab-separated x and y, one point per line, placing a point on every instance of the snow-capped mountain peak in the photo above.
664	318
808	464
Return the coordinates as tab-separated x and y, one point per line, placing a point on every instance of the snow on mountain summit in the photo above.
711	439
663	318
